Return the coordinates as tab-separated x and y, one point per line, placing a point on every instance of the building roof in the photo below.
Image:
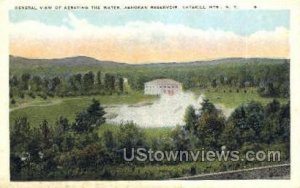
163	81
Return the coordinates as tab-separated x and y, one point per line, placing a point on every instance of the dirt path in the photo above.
26	105
44	103
59	101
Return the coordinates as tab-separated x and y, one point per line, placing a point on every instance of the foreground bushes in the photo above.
76	150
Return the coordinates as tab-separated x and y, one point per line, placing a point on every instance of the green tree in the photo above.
25	81
181	138
14	81
62	124
284	121
255	116
230	137
20	134
130	136
109	82
61	130
36	83
211	124
121	84
190	119
214	83
99	78
271	130
55	82
272	107
207	106
109	140
78	81
67	141
89	119
88	80
249	119
46	134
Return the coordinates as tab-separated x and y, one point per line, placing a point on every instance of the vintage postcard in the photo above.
173	92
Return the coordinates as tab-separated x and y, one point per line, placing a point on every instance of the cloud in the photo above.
137	42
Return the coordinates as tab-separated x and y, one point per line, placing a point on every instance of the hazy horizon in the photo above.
147	63
143	37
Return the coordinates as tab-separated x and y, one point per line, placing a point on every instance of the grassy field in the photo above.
38	109
233	99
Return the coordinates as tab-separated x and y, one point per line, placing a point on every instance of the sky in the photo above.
150	36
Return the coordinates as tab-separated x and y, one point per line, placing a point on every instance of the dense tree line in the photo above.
249	124
72	85
271	80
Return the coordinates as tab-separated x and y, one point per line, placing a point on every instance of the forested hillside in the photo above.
85	76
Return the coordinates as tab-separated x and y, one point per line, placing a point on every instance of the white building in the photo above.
162	86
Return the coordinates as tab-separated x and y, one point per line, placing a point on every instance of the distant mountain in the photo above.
219	61
88	61
68	61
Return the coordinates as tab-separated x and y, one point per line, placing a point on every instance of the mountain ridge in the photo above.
85	60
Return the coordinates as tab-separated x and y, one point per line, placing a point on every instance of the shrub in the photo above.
193	170
50	94
43	96
21	95
13	101
32	95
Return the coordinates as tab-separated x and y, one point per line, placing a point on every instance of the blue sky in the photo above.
242	22
147	36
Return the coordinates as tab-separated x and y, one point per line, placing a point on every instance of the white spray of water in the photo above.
166	111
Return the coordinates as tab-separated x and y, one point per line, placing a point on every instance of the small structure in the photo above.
162	86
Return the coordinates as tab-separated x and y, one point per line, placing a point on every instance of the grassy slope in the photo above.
234	99
50	109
